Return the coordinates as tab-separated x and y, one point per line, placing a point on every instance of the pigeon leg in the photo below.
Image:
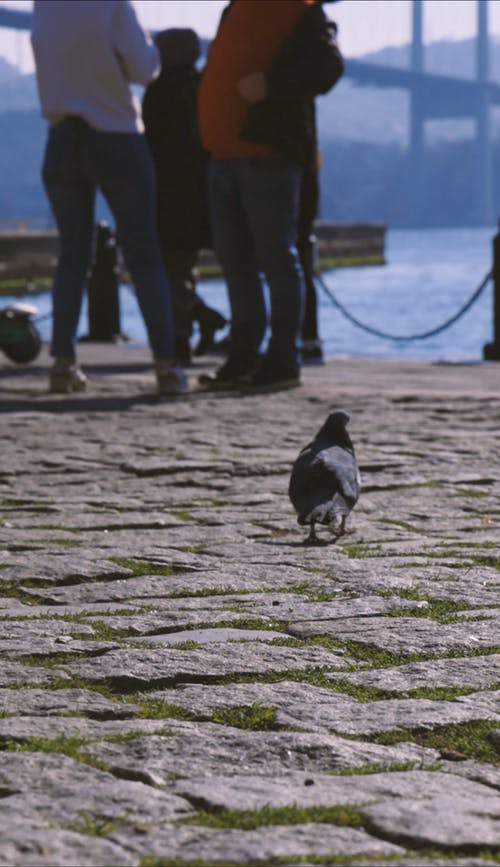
342	530
312	538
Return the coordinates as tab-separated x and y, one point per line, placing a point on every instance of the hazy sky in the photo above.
364	25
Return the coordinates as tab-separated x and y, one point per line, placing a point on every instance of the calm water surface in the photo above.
429	275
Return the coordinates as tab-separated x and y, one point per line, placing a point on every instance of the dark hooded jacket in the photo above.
308	65
169	112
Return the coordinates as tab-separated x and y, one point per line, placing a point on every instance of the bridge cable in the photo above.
384	334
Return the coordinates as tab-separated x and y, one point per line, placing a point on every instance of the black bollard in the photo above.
491	351
102	289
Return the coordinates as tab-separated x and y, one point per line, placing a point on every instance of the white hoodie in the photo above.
87	53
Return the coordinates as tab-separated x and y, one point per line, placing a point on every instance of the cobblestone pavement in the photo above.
184	682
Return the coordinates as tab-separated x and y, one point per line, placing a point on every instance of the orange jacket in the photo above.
249	38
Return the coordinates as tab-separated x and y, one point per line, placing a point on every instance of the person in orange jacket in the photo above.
268	61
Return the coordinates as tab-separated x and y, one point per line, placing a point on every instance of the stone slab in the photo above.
405	634
209	636
243	792
262	845
140	669
32	702
449	821
315	708
472	671
206	749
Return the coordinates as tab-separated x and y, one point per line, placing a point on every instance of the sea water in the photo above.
428	276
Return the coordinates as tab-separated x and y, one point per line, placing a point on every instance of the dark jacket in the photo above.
309	64
169	111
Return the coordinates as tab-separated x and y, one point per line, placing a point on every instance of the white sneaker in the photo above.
65	376
170	378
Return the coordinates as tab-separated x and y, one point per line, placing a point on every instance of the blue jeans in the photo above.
254	205
78	160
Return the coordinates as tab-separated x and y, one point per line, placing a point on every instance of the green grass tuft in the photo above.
254	717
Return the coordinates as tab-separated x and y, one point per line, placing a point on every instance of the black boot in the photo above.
209	321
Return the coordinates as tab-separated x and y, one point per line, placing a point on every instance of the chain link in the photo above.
384	334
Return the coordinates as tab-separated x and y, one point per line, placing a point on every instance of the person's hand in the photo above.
253	87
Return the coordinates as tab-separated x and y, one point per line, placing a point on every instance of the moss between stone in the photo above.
358	550
98	827
366	694
376	657
155	708
67	746
12	590
441	610
144	567
295	861
469	492
254	717
138	733
467	740
184	515
66	543
390	767
55	660
27	504
249	820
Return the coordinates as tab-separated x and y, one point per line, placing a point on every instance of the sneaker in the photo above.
232	374
65	376
170	378
312	352
273	377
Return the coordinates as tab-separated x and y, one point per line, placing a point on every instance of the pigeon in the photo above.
324	482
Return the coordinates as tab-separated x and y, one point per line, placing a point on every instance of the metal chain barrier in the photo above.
375	331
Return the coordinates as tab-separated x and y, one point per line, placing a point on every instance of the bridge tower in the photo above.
484	173
482	208
417	117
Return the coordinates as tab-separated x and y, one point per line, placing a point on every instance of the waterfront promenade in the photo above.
183	682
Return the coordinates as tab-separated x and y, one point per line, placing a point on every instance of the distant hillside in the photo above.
363	134
349	112
7	71
22	139
18	93
446	57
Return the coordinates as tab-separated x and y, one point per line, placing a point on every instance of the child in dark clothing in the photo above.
169	112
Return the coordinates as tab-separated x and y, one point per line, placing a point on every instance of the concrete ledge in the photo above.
31	256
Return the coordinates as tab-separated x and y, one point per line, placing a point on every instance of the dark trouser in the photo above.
306	245
78	161
254	206
188	306
180	264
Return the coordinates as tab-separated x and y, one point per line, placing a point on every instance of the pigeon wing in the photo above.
340	468
323	478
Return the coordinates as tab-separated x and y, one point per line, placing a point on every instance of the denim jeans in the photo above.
79	160
254	204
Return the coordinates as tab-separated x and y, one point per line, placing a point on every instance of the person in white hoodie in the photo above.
87	53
